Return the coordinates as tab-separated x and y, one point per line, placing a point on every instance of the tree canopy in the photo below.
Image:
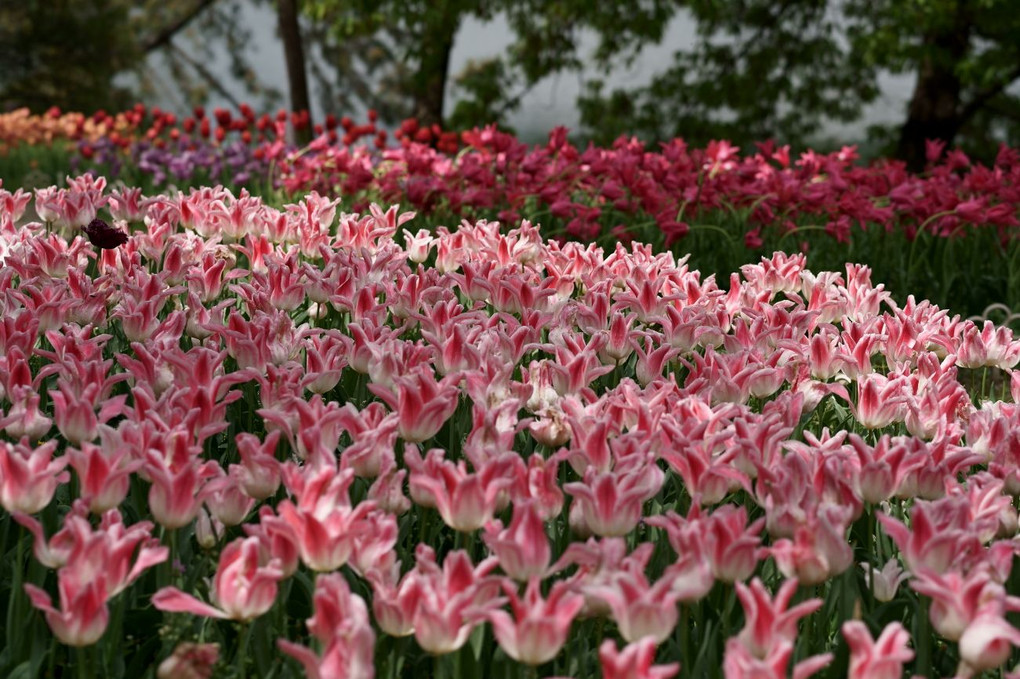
73	54
64	53
762	68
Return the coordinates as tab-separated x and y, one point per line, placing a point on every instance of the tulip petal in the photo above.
173	600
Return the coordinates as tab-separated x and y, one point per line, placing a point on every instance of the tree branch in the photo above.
205	73
1005	113
982	97
163	38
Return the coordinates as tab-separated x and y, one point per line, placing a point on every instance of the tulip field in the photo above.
450	406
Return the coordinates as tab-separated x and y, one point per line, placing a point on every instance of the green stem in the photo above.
421	528
174	553
92	267
874	547
812	621
711	227
164	573
685	633
799	229
731	600
458	540
937	215
82	662
113	643
922	639
241	662
14	613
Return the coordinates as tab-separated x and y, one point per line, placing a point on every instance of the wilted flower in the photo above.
190	661
104	236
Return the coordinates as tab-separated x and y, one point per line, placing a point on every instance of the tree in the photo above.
762	68
72	54
418	38
64	53
186	33
966	54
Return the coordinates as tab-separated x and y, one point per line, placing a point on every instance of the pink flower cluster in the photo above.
574	409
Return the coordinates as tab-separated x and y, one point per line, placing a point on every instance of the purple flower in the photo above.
104	236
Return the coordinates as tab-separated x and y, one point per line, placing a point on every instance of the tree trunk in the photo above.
294	53
430	82
936	110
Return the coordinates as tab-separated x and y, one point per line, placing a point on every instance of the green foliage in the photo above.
759	69
762	69
418	37
64	53
484	86
414	40
73	54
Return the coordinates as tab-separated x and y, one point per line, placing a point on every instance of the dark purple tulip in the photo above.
104	236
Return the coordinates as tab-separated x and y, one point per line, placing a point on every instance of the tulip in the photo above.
633	661
24	419
522	548
175	496
884	583
29	477
881	659
83	615
323	521
422	404
259	468
104	474
731	544
639	609
453	600
466	501
880	401
739	663
395	604
769	623
539	627
244	588
987	642
611	502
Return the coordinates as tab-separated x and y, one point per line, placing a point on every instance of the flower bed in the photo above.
591	190
947	235
232	430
